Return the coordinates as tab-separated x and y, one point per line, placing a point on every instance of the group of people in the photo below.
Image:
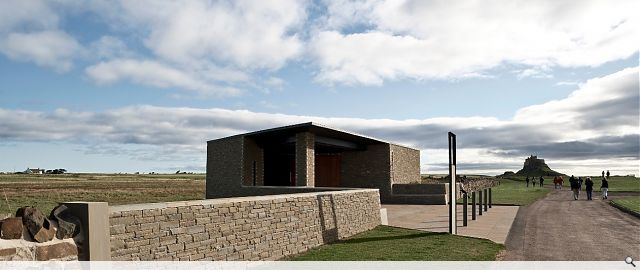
533	180
558	182
576	186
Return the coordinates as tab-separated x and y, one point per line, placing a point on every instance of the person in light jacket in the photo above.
604	188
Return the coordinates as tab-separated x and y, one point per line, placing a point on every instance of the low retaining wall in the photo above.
246	228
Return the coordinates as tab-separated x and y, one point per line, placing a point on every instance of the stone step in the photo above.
424	199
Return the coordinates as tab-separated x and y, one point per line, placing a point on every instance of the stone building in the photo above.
309	157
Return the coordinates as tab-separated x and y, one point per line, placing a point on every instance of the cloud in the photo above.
152	73
597	121
246	34
53	49
368	42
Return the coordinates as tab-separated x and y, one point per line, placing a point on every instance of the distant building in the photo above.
34	171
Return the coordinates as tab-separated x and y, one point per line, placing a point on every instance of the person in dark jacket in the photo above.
604	188
541	181
527	179
589	187
575	187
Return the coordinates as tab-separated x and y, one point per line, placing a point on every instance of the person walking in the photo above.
580	182
560	181
604	188
589	188
602	174
533	181
541	181
608	174
527	179
575	187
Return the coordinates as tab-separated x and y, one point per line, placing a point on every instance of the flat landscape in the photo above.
46	191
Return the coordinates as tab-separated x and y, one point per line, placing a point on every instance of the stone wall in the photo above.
224	166
405	165
368	169
22	250
249	228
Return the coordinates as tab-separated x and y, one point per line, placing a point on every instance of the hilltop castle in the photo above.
534	166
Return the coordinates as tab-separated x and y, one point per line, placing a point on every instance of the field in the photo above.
45	191
632	203
513	192
385	243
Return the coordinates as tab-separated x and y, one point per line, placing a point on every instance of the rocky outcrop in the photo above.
534	166
68	224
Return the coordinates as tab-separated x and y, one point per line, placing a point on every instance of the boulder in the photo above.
68	224
36	224
11	228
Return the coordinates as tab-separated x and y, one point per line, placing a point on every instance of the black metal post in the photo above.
480	202
453	213
490	199
485	201
473	205
464	210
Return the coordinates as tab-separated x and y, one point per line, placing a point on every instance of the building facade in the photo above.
308	158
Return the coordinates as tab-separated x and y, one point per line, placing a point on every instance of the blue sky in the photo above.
140	86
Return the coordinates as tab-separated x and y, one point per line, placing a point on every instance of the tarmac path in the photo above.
559	228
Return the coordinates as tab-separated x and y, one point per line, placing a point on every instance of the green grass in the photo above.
618	183
517	193
46	191
632	203
385	243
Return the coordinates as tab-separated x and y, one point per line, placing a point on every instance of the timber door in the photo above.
327	170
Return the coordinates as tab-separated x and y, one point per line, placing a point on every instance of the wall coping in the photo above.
147	206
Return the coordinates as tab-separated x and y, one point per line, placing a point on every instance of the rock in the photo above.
7	252
11	228
36	224
68	224
46	233
32	218
56	251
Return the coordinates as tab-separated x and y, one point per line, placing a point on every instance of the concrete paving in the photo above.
559	228
493	225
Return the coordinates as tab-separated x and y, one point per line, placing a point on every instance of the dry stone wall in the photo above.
248	228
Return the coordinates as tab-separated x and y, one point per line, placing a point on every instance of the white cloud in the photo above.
26	14
597	121
53	49
426	39
152	73
246	34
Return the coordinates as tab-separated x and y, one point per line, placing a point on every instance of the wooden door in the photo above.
327	170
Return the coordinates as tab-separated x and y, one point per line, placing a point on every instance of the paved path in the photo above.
560	228
493	225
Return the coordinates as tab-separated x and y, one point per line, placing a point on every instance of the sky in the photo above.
140	86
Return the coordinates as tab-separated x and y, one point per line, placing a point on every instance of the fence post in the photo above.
464	210
473	205
490	199
485	200
480	202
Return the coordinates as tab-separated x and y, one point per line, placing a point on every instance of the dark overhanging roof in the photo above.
279	133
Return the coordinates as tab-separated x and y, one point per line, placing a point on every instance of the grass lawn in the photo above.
45	191
385	243
618	183
515	192
632	203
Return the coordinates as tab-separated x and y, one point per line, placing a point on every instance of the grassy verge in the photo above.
632	203
385	243
517	193
46	191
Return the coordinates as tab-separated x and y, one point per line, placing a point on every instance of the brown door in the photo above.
327	170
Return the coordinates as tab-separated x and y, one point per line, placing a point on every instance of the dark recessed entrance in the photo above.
327	170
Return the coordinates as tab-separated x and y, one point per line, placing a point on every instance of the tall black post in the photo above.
473	205
490	199
464	210
485	200
480	202
453	215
